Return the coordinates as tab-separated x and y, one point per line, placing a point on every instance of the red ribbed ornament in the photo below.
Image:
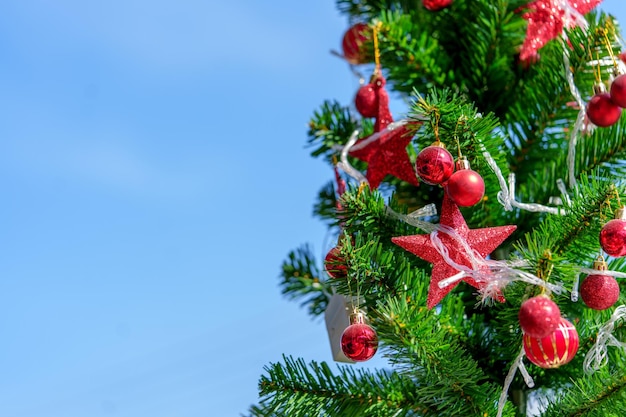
359	341
434	164
539	316
354	44
554	350
335	265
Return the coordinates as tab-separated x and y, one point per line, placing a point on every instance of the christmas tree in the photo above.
480	237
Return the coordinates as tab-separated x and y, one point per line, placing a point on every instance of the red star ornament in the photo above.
388	155
546	22
483	241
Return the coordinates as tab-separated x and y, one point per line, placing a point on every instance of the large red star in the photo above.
388	155
483	241
546	22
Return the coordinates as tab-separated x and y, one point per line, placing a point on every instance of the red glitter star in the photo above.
546	22
483	241
388	155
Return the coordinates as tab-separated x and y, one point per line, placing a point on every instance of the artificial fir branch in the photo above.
301	279
294	388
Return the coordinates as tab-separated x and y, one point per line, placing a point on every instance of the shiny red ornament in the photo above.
434	165
366	100
539	316
434	5
465	187
554	350
599	292
482	241
601	110
613	235
359	341
546	21
618	90
354	44
334	263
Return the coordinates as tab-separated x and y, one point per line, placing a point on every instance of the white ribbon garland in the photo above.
597	357
517	364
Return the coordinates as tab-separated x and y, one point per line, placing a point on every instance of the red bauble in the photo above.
554	350
465	187
434	165
613	238
539	316
366	100
599	291
359	341
354	43
602	111
618	90
335	265
434	5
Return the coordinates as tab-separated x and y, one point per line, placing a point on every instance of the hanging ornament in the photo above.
601	110
372	100
539	316
359	341
335	264
465	187
554	350
618	90
435	5
481	241
366	100
613	235
599	291
547	19
354	44
434	164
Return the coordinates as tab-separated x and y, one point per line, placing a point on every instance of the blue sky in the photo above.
153	177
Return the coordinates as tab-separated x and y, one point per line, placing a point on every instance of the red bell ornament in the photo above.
539	316
618	90
613	235
601	110
434	164
354	44
555	349
599	291
465	187
359	341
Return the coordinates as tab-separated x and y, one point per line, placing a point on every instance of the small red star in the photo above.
483	241
545	22
388	155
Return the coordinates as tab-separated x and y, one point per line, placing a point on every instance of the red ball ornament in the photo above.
618	90
602	111
434	164
434	5
554	350
366	100
599	291
613	235
539	316
334	264
354	44
359	341
465	187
